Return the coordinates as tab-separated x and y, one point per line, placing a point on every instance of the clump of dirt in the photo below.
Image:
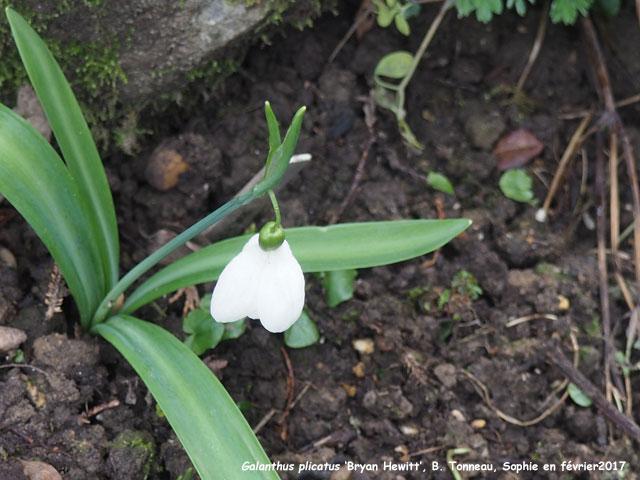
434	375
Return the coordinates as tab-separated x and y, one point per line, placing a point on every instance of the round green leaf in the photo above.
394	65
303	333
339	286
516	185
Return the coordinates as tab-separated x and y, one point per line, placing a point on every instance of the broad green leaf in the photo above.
318	249
402	25
205	332
75	142
35	180
394	65
578	397
303	333
384	14
205	418
234	329
440	182
339	286
566	11
516	185
486	8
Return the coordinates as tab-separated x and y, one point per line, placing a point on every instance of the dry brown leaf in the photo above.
517	148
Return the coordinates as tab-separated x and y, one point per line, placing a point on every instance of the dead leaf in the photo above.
516	149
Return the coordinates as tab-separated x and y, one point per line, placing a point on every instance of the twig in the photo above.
568	154
611	116
264	420
535	50
589	389
482	389
273	411
290	385
354	26
357	179
98	409
527	318
602	264
421	49
25	365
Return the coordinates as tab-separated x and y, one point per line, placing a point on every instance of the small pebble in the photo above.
350	389
458	415
365	346
541	215
164	168
563	303
11	338
478	423
358	370
7	259
409	430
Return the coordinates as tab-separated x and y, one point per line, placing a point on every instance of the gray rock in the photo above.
133	51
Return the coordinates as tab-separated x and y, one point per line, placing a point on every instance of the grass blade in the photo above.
318	249
205	418
34	179
74	138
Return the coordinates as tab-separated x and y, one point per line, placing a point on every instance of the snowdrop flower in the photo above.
264	281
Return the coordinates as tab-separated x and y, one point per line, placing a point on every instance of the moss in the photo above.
214	71
140	442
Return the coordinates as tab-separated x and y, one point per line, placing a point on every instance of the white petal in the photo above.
280	297
235	292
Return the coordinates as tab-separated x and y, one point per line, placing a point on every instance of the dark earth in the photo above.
412	388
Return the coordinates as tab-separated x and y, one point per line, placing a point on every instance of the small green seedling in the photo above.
396	11
440	182
578	397
516	184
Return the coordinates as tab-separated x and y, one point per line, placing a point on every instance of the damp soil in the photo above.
415	393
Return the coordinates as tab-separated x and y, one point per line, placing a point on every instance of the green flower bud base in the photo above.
271	236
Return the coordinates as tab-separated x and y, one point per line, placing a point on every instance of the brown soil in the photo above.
413	397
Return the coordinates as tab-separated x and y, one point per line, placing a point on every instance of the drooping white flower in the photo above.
260	284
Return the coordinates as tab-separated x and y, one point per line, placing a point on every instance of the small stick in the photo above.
527	318
541	215
357	179
602	264
589	389
354	26
290	383
102	407
25	365
537	44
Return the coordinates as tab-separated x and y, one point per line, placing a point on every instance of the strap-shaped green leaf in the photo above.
205	418
318	249
74	139
34	179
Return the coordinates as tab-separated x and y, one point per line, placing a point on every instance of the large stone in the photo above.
132	51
